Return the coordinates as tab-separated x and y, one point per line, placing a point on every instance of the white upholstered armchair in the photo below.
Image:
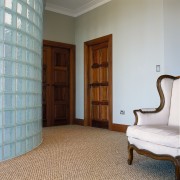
156	132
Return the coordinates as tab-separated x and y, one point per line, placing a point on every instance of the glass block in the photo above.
19	54
9	151
8	34
20	101
29	144
34	114
9	68
21	23
30	115
39	88
20	116
1	84
1	119
32	86
19	38
29	27
1	50
36	6
29	130
9	101
20	132
9	119
8	4
35	127
1	152
20	147
28	43
19	8
20	70
1	133
1	15
28	85
19	85
9	84
1	3
9	135
27	56
31	3
13	53
2	68
8	18
39	136
7	51
32	62
1	33
24	10
29	100
35	140
39	113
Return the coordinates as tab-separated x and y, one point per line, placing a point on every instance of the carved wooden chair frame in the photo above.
131	147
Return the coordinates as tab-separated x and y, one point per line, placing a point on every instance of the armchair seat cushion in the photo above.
163	135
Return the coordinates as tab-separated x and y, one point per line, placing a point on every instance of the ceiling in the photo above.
73	8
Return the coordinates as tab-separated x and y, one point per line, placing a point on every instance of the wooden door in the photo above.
98	82
46	90
58	84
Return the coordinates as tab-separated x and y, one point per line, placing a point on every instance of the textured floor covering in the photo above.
83	153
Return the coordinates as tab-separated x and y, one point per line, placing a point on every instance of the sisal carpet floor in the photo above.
83	153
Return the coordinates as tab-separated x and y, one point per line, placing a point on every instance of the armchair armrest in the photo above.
151	116
148	109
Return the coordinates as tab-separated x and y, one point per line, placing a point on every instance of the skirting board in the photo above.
115	127
79	122
119	127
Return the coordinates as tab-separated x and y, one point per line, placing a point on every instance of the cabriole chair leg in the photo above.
130	152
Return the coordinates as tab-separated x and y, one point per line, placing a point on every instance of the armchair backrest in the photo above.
174	115
164	85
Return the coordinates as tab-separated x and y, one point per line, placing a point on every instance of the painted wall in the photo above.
172	36
138	46
58	27
145	34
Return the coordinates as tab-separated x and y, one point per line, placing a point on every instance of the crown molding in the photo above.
77	12
59	9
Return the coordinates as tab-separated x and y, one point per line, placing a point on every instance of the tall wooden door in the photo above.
98	82
58	84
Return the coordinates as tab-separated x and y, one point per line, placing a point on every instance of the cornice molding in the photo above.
77	12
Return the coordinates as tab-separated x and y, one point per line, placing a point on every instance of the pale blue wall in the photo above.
145	34
138	46
172	36
58	27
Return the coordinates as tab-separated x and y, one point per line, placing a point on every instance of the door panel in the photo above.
99	75
98	79
46	86
58	84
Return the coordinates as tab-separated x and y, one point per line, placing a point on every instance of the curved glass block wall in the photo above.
20	76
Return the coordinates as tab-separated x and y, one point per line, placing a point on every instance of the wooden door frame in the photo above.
87	46
72	74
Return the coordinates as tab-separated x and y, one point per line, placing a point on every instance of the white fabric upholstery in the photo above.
159	132
174	118
154	148
161	135
161	117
